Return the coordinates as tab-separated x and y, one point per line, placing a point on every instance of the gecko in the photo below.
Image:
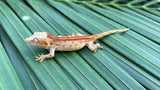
66	43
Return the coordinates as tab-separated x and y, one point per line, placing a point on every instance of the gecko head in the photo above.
38	39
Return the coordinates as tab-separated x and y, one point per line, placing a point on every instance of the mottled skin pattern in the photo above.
66	43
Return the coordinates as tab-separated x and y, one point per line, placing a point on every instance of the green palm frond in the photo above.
130	60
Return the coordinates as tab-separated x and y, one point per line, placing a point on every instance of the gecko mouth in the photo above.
29	42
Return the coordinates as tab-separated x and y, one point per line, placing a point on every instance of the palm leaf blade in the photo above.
129	60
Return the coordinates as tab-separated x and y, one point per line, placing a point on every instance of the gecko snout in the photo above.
27	41
32	41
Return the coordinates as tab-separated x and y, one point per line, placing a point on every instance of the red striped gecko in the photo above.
66	43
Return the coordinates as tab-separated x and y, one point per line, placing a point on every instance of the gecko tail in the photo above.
97	36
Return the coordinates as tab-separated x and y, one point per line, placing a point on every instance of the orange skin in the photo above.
66	43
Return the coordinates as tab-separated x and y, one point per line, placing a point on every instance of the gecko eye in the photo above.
35	40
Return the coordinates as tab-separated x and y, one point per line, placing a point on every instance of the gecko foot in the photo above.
94	47
40	57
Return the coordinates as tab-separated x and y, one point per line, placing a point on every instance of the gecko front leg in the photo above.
50	55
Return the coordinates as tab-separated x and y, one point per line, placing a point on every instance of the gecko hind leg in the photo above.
93	47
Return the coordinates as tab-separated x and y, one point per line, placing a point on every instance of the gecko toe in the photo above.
39	57
36	56
101	47
41	60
